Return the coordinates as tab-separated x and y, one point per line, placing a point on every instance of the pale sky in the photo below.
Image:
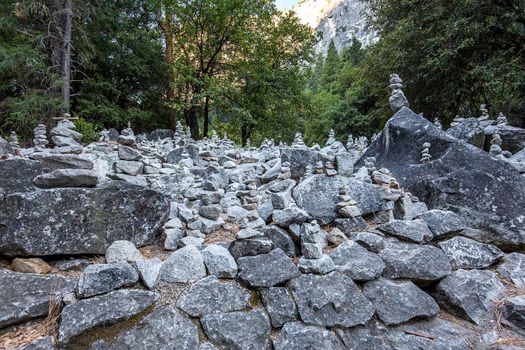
285	4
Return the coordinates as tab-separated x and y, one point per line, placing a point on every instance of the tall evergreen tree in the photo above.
331	66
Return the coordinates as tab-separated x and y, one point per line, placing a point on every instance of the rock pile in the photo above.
205	245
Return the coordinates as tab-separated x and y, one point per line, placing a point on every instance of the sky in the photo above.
285	4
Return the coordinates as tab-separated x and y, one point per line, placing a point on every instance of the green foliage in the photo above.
88	130
452	55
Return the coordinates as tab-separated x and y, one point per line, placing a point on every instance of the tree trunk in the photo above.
169	38
246	131
206	117
193	122
65	68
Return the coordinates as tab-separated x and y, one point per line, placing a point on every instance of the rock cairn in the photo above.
501	121
13	140
104	136
495	143
298	141
347	207
484	113
438	124
40	137
127	136
331	137
397	100
425	153
65	138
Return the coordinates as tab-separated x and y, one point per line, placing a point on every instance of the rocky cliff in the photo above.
340	20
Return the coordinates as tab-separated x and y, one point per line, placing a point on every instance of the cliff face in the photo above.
340	20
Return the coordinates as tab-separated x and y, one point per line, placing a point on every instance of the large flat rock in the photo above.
25	296
318	196
79	221
17	174
460	177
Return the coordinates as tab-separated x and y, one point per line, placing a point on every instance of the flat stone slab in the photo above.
163	329
67	178
471	294
414	261
248	330
103	278
331	300
413	230
466	253
399	301
280	305
107	309
210	295
356	262
25	296
299	336
267	270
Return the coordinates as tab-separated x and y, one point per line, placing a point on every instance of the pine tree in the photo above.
332	64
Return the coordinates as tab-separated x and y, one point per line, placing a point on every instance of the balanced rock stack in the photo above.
425	153
298	141
397	99
495	143
127	137
40	137
13	141
484	113
347	207
65	138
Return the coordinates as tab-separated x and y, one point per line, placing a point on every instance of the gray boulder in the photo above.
223	329
291	215
5	148
466	253
460	177
414	230
299	159
250	247
280	238
122	251
149	271
356	262
318	195
399	301
469	131
128	153
26	296
442	222
417	262
17	175
67	178
331	300
128	167
513	269
514	312
80	221
267	270
470	294
103	278
299	336
184	265
219	261
52	161
320	266
85	315
160	134
163	329
210	295
280	305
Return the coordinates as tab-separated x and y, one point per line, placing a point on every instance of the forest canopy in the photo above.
245	68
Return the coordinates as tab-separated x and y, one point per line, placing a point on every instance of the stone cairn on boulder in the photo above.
253	249
495	143
438	124
501	121
127	136
298	141
40	137
331	137
484	113
104	136
347	207
397	100
13	141
425	153
64	136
